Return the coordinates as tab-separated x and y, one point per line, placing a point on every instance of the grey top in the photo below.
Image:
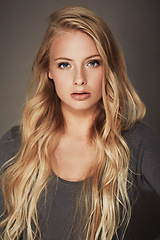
56	216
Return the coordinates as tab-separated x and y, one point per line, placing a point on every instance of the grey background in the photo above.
136	26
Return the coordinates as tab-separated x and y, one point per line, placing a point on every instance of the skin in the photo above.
77	72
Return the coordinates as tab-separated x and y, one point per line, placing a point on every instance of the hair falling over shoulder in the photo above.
42	126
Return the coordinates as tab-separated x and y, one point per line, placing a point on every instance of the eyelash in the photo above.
95	62
92	63
63	65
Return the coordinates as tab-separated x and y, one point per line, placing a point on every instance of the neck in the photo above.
77	122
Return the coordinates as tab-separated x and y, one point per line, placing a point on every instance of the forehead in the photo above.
73	43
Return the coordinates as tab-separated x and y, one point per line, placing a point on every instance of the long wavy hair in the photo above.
104	195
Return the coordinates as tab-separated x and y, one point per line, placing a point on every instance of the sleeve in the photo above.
144	146
9	144
150	165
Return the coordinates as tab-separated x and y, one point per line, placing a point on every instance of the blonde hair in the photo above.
43	125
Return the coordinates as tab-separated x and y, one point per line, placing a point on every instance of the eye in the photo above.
94	63
63	65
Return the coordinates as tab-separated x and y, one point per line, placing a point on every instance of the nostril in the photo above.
80	83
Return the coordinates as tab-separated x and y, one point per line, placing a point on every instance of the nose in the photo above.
79	78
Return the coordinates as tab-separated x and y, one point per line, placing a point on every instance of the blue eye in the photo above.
94	63
63	65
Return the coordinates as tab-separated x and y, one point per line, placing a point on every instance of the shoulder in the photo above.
10	144
141	136
139	131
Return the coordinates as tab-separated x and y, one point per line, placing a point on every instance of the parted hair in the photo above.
105	194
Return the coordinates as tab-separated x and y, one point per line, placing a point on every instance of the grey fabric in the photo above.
56	216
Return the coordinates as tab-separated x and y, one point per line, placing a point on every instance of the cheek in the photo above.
58	87
61	86
98	83
98	88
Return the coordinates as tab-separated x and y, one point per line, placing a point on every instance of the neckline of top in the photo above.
69	182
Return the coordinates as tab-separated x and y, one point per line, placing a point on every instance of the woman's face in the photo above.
76	69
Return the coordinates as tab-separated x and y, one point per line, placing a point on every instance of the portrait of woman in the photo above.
75	165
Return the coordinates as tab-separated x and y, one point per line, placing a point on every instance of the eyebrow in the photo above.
68	59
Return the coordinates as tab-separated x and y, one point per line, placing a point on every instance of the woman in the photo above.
75	161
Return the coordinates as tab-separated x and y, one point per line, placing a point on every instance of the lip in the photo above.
80	95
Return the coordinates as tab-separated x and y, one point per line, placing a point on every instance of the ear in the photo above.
49	74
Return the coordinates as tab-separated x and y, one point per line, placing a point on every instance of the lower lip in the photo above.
80	97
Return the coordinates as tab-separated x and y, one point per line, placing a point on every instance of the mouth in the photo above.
80	96
79	93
